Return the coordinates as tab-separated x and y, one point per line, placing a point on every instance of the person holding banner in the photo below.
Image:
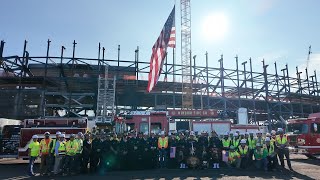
173	142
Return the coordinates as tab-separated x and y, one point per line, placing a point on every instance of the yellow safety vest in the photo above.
53	141
71	147
270	149
235	142
44	146
162	142
34	148
62	148
233	155
226	143
252	143
243	151
282	140
80	145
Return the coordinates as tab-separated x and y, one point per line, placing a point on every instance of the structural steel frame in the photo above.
267	96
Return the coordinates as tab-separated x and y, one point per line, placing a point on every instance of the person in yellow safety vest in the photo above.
282	143
243	150
162	146
78	158
235	140
260	155
233	158
226	142
59	153
71	151
272	155
44	154
34	148
51	152
259	138
251	141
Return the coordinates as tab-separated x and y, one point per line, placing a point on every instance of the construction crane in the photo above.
187	90
308	59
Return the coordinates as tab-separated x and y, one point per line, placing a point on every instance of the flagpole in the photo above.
173	61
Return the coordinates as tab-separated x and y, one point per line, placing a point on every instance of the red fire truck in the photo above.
40	126
144	121
304	135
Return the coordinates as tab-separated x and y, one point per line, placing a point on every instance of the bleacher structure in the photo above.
45	86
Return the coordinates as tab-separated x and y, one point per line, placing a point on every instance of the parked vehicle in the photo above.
304	135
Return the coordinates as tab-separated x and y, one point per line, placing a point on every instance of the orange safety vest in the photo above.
44	147
162	142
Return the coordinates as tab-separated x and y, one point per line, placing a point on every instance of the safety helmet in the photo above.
192	133
62	135
236	135
72	135
47	133
268	134
243	141
267	139
58	133
35	137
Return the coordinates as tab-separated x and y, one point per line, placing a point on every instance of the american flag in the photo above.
166	39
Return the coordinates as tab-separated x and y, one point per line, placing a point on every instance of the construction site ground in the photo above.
304	168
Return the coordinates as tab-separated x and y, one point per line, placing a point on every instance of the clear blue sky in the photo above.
277	30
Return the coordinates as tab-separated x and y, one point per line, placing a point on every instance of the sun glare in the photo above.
215	27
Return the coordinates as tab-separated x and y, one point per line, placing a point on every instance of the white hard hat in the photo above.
192	133
280	130
236	135
35	137
58	133
267	139
273	132
247	133
268	134
231	132
258	132
243	141
203	132
169	133
62	135
162	133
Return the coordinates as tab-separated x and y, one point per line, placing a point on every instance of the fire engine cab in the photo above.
304	135
40	126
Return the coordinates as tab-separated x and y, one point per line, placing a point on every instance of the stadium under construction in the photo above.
32	87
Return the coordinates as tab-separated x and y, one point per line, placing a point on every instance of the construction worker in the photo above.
44	154
59	153
78	156
236	140
272	155
51	152
215	147
203	154
242	136
226	142
72	147
282	144
162	147
259	138
87	147
34	148
243	150
233	158
260	155
252	146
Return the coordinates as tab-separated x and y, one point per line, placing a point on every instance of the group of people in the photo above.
102	152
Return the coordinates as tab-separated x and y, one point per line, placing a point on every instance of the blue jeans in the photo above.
162	157
31	164
262	164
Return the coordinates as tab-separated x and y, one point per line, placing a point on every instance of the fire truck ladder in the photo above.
106	97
